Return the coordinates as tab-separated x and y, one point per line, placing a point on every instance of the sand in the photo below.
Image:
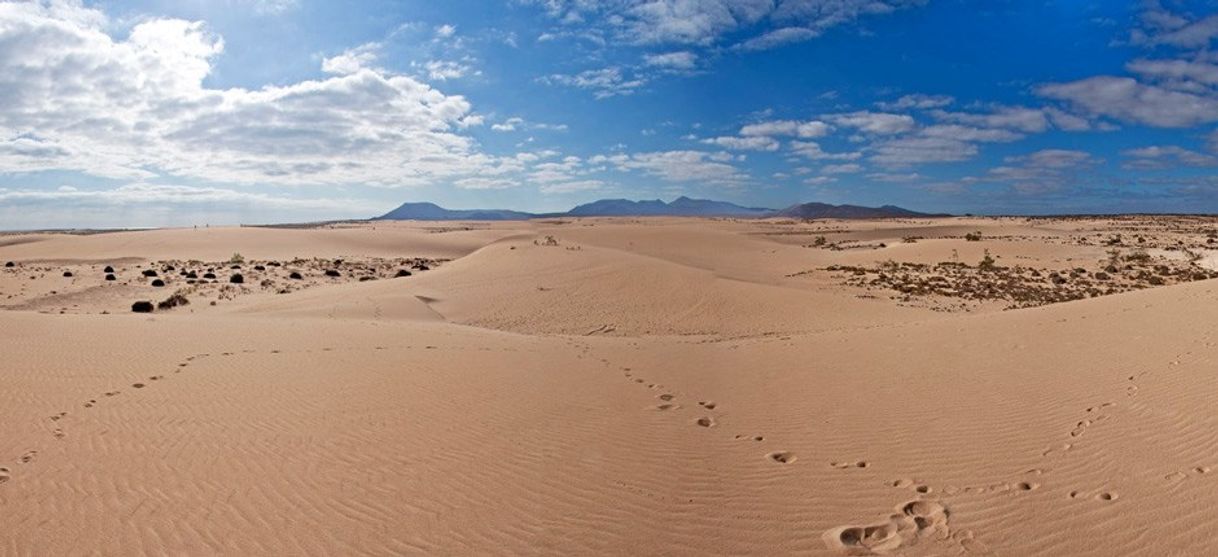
614	386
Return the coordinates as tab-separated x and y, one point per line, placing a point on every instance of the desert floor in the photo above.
614	386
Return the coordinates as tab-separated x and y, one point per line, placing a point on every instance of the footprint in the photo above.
138	385
58	416
847	465
28	457
782	457
156	377
709	405
90	404
667	406
113	393
4	475
972	545
912	521
59	434
1027	486
665	397
1107	496
706	421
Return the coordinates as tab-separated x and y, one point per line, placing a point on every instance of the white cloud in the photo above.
969	133
445	31
140	204
443	70
819	180
1178	74
806	130
605	82
134	107
812	150
678	166
704	22
484	183
917	101
352	60
569	187
754	143
918	150
847	168
1126	99
880	123
681	60
1166	156
1027	120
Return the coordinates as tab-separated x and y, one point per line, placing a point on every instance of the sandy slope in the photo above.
654	387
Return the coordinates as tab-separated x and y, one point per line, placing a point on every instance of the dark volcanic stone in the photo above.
295	276
236	278
332	273
142	307
108	269
402	273
67	273
111	277
158	283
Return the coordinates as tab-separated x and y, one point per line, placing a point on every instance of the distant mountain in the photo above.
827	211
681	206
431	211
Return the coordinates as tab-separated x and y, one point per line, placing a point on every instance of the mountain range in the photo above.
681	206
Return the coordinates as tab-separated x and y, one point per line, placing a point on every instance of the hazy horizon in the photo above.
149	113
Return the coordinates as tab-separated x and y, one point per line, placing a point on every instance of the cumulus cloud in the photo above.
133	107
881	123
917	101
807	130
1166	156
705	22
1027	120
847	168
918	150
678	166
605	82
1124	98
754	143
681	60
812	150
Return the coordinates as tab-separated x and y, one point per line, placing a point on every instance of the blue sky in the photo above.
155	113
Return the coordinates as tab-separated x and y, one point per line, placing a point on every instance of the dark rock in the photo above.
149	273
259	268
67	274
236	278
111	277
10	264
402	273
295	276
142	307
158	283
108	269
366	278
192	275
210	276
332	273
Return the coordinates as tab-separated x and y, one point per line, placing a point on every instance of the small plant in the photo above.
236	259
177	299
549	241
973	237
820	241
987	263
1138	256
889	265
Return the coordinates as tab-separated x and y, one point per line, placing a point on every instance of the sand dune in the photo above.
654	386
